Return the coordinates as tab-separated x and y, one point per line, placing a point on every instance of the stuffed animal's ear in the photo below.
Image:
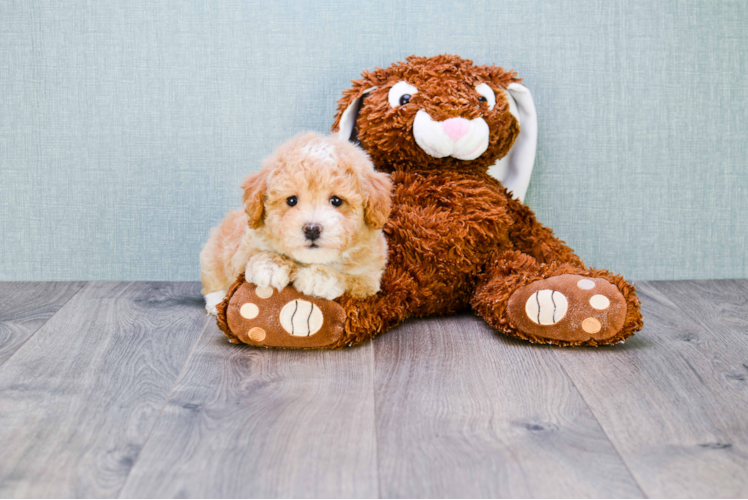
254	187
378	201
346	122
514	169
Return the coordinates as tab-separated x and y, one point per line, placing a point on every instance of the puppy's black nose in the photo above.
312	230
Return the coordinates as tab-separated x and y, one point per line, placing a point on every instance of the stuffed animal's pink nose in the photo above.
455	128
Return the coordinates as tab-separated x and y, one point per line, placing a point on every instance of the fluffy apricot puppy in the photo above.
313	217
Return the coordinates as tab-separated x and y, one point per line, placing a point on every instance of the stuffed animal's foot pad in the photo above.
568	308
263	316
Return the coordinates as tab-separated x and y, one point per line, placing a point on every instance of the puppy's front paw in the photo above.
318	282
265	271
212	300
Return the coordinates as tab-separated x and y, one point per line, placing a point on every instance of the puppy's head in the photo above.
315	198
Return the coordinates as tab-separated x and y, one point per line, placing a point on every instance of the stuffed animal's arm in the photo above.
531	237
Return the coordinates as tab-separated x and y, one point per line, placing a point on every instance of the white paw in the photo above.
266	273
316	283
212	300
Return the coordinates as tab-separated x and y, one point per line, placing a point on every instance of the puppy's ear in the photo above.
254	187
378	200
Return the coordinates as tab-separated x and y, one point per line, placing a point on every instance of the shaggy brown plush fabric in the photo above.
457	239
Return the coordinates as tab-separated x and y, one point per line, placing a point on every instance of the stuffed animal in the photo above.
459	142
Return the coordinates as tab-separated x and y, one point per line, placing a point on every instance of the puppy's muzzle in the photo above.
312	231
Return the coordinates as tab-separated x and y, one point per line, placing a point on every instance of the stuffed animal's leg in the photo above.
265	317
556	303
534	239
370	316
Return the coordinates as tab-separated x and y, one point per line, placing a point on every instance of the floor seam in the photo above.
85	284
600	425
166	401
376	424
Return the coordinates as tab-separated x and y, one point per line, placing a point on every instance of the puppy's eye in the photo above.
335	201
401	93
291	201
486	95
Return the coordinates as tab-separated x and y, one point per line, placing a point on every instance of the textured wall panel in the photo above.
126	126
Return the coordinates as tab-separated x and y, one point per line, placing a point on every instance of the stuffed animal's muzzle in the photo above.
457	137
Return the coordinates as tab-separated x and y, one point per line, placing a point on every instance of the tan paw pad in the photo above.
257	334
600	302
249	310
591	325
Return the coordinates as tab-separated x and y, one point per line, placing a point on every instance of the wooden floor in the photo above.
130	390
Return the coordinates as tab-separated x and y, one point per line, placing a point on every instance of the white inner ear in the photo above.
515	169
486	91
512	105
348	118
398	90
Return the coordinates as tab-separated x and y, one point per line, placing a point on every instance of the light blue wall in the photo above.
126	126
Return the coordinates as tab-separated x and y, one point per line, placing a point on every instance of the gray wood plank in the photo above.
465	412
674	399
247	422
25	307
719	306
78	400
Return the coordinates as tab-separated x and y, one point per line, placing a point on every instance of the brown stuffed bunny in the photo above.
457	238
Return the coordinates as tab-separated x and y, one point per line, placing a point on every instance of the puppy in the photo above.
313	216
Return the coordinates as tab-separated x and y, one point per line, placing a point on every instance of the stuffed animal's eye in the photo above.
335	201
486	95
292	201
401	93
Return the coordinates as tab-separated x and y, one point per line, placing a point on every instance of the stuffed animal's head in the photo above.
438	112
